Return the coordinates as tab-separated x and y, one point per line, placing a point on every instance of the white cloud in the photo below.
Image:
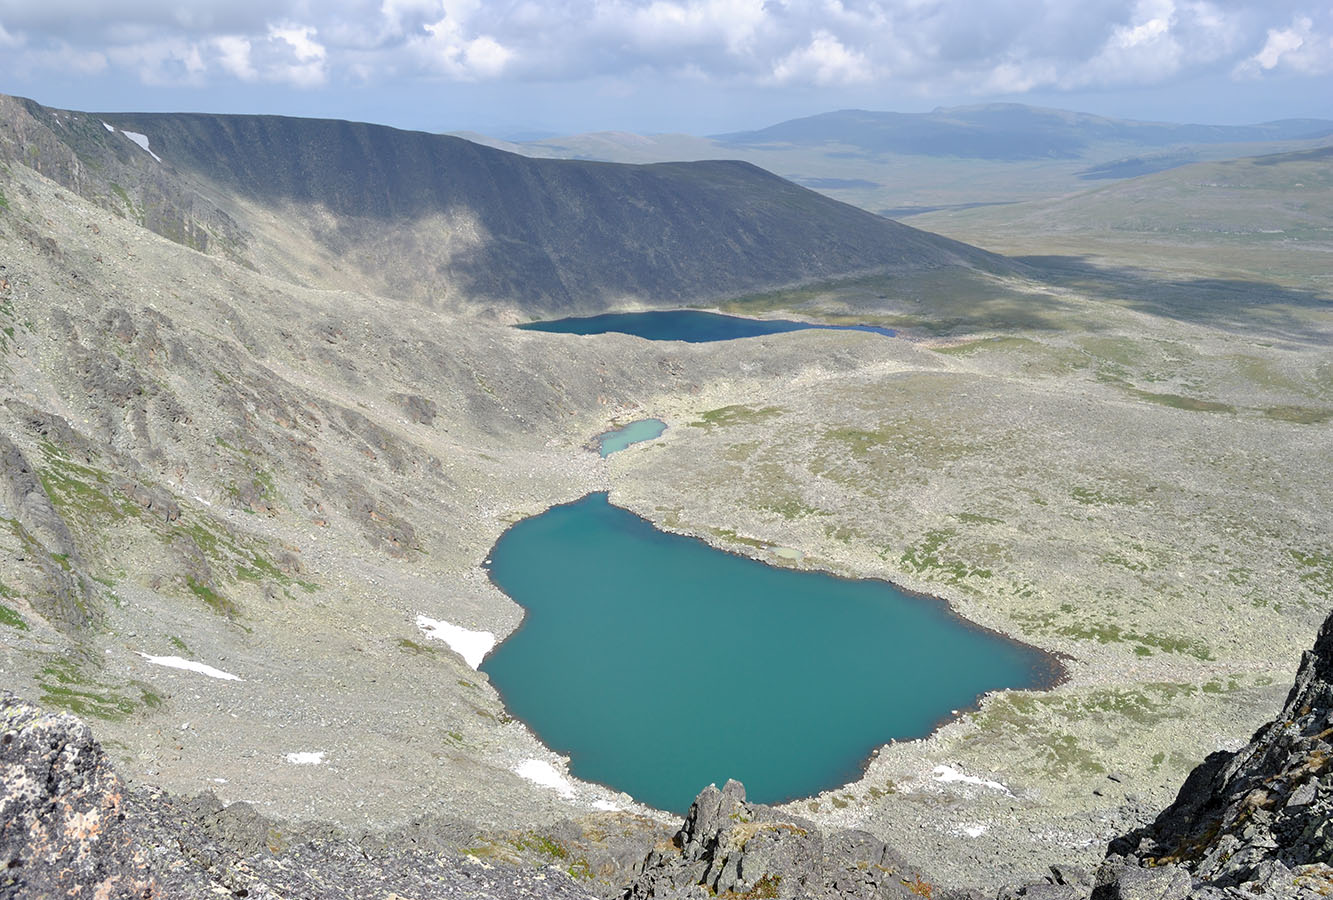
234	56
10	41
825	61
303	64
979	47
1299	48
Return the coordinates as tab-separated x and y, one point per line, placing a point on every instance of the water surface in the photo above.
633	433
660	664
691	325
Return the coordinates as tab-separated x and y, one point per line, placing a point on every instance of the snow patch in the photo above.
543	773
607	806
950	775
189	665
471	645
305	758
110	128
975	831
142	141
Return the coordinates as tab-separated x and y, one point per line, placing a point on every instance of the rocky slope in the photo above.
1252	823
441	220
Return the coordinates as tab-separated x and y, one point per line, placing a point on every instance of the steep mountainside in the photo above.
439	219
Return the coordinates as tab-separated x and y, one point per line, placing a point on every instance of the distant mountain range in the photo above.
1007	131
901	164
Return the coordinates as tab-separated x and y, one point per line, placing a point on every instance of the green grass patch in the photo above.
65	686
1178	401
731	536
410	646
735	415
1112	633
81	492
12	618
858	441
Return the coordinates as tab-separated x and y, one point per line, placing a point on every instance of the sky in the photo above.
517	68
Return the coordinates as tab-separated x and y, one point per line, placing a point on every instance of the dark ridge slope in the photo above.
552	234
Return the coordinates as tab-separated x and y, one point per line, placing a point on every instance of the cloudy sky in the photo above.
700	66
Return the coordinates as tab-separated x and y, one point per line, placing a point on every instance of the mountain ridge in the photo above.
435	218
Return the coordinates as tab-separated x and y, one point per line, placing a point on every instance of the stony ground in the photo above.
275	481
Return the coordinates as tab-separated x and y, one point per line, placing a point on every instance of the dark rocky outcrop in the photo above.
728	847
1260	819
70	828
62	822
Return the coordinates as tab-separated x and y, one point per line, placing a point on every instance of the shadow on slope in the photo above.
543	233
1228	304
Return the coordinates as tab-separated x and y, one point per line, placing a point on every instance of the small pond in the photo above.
691	325
660	664
633	433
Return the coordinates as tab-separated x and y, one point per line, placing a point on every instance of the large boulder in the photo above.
62	828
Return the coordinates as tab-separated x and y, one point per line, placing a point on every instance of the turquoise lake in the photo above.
633	433
690	325
659	664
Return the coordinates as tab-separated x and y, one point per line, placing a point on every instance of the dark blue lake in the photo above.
691	325
659	664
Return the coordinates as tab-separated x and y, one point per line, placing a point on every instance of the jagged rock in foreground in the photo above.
69	828
1260	820
62	826
731	848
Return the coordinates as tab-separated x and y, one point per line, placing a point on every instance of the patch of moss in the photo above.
539	843
1094	497
1301	415
1179	401
1112	633
1317	570
216	601
411	646
926	558
977	519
